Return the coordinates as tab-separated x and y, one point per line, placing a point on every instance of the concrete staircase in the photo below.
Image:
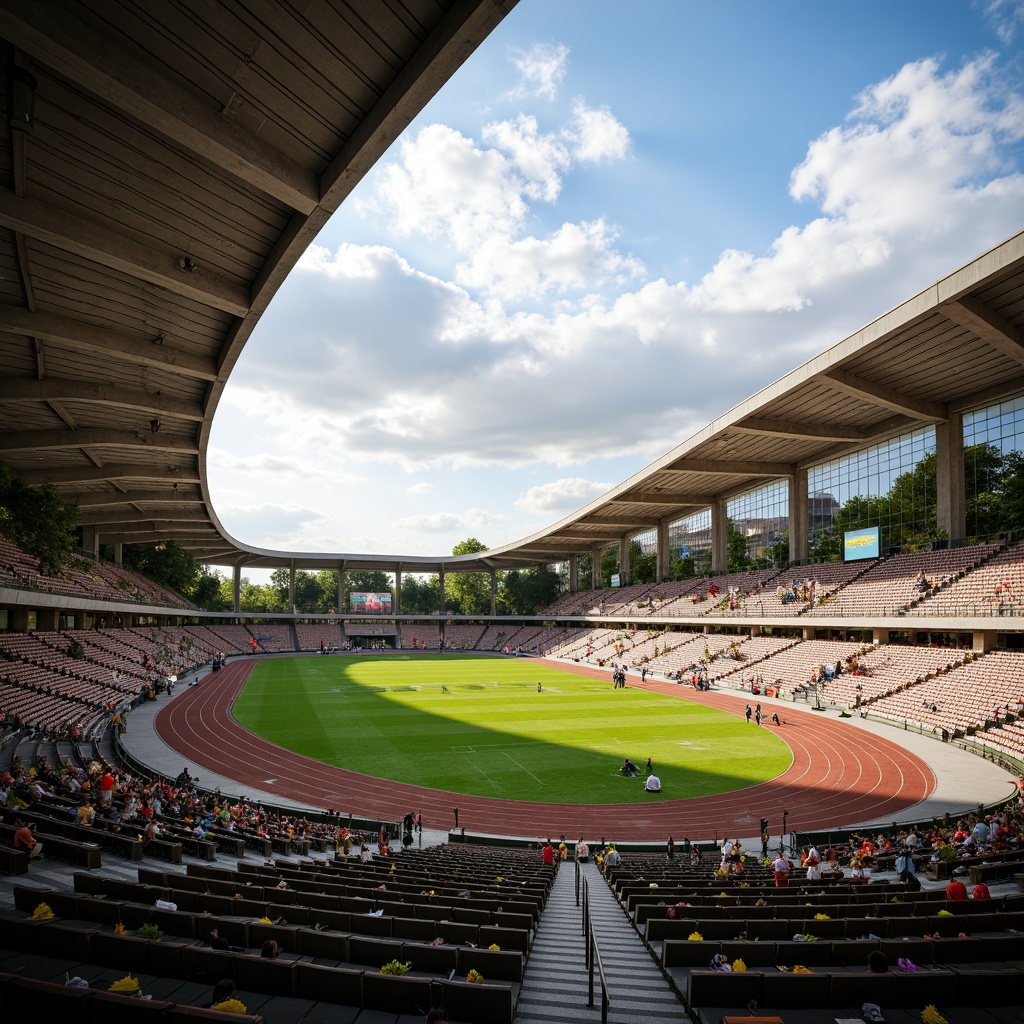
555	985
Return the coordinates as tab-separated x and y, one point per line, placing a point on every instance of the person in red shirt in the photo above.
107	785
956	890
981	892
24	839
548	853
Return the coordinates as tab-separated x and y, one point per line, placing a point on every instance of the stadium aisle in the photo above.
555	983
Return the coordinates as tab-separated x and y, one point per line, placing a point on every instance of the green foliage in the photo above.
38	520
643	567
523	591
738	559
149	931
166	562
396	967
468	592
420	596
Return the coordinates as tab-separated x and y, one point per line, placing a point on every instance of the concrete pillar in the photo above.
595	569
624	562
808	632
798	516
341	588
719	537
755	631
983	640
880	636
663	553
90	540
118	554
291	586
494	592
128	620
236	589
19	619
951	507
574	573
398	591
48	619
440	588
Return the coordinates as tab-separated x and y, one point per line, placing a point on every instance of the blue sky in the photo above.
613	224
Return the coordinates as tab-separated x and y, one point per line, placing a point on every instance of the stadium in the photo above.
841	550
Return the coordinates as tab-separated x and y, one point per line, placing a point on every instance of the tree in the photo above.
643	566
468	592
38	520
166	562
523	592
738	558
420	596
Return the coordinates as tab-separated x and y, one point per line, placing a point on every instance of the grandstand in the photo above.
119	326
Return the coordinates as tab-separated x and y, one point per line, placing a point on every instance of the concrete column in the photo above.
398	591
950	511
48	619
663	553
798	516
494	592
624	562
440	587
129	620
236	589
118	554
291	586
595	569
574	573
719	537
341	588
90	540
808	633
983	640
755	631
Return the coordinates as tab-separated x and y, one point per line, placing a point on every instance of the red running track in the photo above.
839	776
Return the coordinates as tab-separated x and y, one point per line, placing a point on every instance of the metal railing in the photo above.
593	955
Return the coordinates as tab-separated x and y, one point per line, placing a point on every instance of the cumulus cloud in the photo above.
542	69
477	198
421	488
563	495
554	349
445	522
596	134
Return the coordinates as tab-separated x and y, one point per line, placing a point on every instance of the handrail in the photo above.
593	955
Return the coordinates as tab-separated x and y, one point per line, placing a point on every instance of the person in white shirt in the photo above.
653	784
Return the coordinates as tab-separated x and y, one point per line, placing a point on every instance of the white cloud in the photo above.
445	522
446	185
364	363
1005	16
560	496
421	488
540	159
596	135
575	258
542	70
270	524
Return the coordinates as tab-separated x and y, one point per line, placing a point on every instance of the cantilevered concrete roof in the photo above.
166	164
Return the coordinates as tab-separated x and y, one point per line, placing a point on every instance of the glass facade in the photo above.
890	485
993	443
689	542
761	516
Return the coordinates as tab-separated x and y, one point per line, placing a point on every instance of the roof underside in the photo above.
181	158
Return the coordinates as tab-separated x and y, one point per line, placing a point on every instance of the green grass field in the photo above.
492	734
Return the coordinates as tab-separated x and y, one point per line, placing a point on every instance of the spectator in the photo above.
24	839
